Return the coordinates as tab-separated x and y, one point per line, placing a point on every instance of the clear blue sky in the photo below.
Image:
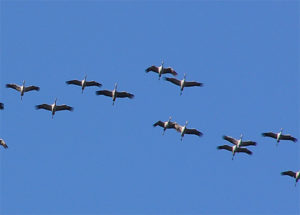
104	159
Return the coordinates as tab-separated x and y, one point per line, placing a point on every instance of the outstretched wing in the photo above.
124	95
44	106
75	82
13	86
29	88
244	150
169	70
2	142
288	137
93	83
269	134
193	131
230	139
173	80
248	143
152	69
289	173
192	84
178	127
104	92
158	123
226	147
64	107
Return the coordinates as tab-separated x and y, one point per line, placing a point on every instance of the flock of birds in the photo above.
239	145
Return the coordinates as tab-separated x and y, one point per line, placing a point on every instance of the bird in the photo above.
83	83
234	149
161	70
183	83
1	106
166	125
53	108
184	130
295	175
239	142
115	94
2	143
22	89
279	136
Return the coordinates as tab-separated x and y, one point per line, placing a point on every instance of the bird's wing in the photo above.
248	143
226	147
193	131
158	123
288	137
169	70
124	95
244	150
104	92
14	86
1	106
178	127
152	69
289	173
173	80
230	139
2	142
269	134
93	83
29	88
44	106
75	82
64	107
172	125
192	84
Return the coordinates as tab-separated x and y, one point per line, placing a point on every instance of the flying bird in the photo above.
83	83
22	89
279	136
165	125
184	130
239	142
115	94
161	70
1	106
183	83
234	149
295	175
53	108
2	143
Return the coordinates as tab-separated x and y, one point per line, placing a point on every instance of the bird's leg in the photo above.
113	103
82	90
164	132
180	92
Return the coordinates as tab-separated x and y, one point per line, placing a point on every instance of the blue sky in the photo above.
104	159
